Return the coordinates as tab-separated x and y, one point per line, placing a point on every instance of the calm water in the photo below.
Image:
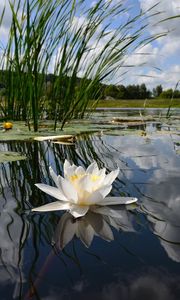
143	260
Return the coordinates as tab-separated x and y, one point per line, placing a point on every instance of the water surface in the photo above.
143	259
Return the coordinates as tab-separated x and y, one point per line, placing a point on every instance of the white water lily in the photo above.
81	189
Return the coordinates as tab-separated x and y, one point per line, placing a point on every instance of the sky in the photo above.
165	52
156	63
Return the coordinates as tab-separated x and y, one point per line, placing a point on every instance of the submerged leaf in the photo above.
6	156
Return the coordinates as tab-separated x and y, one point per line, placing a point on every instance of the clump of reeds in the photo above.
81	46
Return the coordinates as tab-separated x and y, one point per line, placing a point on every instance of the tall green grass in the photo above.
71	41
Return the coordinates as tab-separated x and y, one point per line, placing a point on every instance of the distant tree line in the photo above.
127	92
137	92
103	91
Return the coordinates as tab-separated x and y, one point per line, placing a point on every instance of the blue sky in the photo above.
157	62
165	52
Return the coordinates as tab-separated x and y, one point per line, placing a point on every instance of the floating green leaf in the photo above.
6	156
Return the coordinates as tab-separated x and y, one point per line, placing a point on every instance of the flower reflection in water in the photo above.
97	222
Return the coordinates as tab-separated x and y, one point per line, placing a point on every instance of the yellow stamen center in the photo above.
75	177
95	177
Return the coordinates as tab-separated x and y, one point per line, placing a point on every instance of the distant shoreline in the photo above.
133	108
136	103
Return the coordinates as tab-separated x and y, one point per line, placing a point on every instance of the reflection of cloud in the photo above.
169	236
149	155
12	236
172	250
145	154
97	222
164	214
150	285
154	169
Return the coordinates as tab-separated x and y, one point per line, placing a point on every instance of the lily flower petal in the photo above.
111	221
69	169
102	175
68	189
80	171
65	230
66	164
107	211
57	205
102	172
52	191
93	169
117	200
104	190
95	198
98	197
100	226
111	177
85	232
79	211
85	183
54	177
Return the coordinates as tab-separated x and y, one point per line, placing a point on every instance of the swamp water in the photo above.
135	255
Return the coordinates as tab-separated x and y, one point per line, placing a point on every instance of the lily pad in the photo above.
21	132
178	152
94	123
6	156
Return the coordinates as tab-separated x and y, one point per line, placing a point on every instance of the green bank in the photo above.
149	103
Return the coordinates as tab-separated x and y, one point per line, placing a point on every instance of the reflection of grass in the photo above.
154	103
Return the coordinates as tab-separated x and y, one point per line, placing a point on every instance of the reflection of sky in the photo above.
149	284
149	170
163	212
12	235
151	165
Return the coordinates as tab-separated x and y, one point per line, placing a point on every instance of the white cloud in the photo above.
167	9
147	284
167	78
155	65
164	53
145	55
4	28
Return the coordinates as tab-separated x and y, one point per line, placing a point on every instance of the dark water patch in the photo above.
134	256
